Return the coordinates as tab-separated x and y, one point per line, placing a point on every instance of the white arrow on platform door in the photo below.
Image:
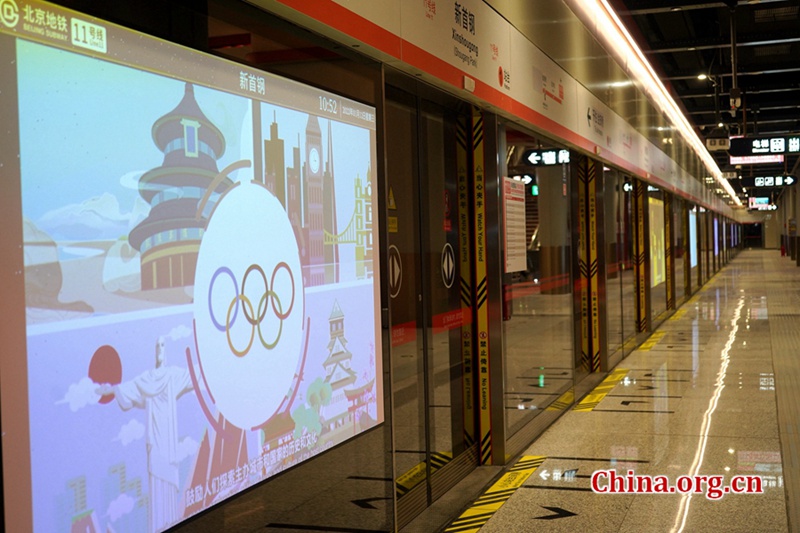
448	265
395	271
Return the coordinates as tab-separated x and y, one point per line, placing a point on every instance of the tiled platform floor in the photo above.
718	394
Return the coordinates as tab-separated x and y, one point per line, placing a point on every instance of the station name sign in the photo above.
747	146
769	181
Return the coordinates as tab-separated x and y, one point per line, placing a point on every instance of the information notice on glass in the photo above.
657	244
514	216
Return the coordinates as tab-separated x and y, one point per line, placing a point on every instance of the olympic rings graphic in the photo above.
255	317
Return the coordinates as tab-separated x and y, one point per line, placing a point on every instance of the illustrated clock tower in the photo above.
313	172
330	227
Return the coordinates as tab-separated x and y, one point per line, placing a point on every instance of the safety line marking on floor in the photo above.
563	402
654	339
417	474
678	314
630	344
596	396
482	509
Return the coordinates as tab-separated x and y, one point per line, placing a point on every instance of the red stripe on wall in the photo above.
356	26
344	20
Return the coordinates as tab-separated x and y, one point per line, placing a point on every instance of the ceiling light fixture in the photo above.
702	77
609	30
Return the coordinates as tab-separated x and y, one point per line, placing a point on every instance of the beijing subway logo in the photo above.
255	316
9	13
249	305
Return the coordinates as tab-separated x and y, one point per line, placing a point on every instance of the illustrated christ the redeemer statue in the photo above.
157	391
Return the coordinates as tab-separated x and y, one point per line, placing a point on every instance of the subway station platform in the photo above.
714	391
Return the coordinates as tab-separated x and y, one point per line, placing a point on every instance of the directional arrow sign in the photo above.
544	474
774	180
534	158
559	513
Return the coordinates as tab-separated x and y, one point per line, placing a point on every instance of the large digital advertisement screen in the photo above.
716	236
201	300
657	243
692	239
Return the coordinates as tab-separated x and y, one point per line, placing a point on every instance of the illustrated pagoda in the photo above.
169	238
338	372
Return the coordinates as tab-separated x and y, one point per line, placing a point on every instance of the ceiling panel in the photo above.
685	38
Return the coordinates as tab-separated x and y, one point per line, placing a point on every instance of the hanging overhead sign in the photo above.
747	146
755	159
761	203
548	157
769	181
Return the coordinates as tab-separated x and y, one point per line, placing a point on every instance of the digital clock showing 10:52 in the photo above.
328	105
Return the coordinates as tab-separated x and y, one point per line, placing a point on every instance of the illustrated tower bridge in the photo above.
359	229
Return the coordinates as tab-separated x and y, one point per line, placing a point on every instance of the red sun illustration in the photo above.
105	367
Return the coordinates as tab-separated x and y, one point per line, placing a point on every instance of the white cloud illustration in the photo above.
187	448
133	430
96	217
99	217
120	506
180	332
80	394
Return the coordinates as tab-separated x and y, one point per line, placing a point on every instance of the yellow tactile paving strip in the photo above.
482	509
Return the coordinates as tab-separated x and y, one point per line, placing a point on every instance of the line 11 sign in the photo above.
769	181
